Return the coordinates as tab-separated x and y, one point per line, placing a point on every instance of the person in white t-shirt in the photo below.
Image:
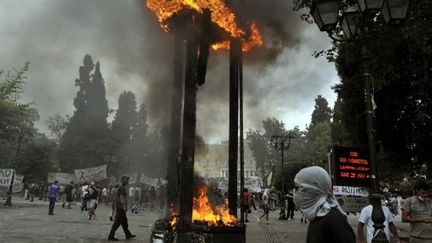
366	219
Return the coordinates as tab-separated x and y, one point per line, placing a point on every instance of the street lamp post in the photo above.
326	16
282	143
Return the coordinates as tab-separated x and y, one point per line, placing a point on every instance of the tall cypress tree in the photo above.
121	131
140	151
86	139
322	112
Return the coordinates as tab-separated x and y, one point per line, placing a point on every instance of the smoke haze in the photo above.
281	79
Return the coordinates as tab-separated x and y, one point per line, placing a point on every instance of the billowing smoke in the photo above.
281	79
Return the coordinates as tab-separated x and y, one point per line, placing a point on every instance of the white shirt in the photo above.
366	218
131	191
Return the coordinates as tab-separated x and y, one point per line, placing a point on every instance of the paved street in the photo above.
30	222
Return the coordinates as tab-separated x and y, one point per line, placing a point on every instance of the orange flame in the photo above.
203	211
174	217
221	15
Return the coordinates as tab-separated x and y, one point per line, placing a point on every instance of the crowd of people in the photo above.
312	196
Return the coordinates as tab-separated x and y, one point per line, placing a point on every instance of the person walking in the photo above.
152	196
290	205
92	202
120	214
246	204
162	197
114	196
68	195
53	191
417	210
265	200
32	192
366	219
313	195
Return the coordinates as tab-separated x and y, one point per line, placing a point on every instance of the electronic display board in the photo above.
351	167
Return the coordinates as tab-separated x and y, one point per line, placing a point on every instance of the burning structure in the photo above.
197	26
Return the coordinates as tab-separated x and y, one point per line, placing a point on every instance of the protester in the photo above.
265	200
121	209
246	204
105	192
152	197
92	200
417	210
32	192
68	194
366	219
85	197
313	195
114	196
290	205
53	191
162	196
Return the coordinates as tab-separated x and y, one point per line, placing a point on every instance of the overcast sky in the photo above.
281	79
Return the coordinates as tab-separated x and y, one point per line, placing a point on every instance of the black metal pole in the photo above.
233	128
377	213
240	72
175	127
282	161
188	146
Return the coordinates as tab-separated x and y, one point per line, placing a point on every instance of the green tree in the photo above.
125	120
322	112
318	136
399	64
86	141
16	118
140	152
36	158
259	142
57	125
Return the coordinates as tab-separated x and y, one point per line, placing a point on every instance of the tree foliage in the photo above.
86	141
16	118
122	127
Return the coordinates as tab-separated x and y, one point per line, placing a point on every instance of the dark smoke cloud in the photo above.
281	79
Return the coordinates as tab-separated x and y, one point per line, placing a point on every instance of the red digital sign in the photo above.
351	166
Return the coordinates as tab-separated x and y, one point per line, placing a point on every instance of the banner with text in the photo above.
351	191
149	181
91	174
5	180
62	178
6	177
18	184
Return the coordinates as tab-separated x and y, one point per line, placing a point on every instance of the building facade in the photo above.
213	162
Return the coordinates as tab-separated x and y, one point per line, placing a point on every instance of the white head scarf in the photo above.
314	196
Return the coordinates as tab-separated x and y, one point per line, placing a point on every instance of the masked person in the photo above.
417	210
120	212
313	195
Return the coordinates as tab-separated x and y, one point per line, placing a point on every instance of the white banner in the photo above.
91	174
149	181
352	204
62	178
6	177
18	184
350	191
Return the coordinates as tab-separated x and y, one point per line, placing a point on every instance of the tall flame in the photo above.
221	15
203	211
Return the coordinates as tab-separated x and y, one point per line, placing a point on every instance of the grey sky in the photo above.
281	79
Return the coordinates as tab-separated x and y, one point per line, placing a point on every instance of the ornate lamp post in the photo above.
282	143
326	14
